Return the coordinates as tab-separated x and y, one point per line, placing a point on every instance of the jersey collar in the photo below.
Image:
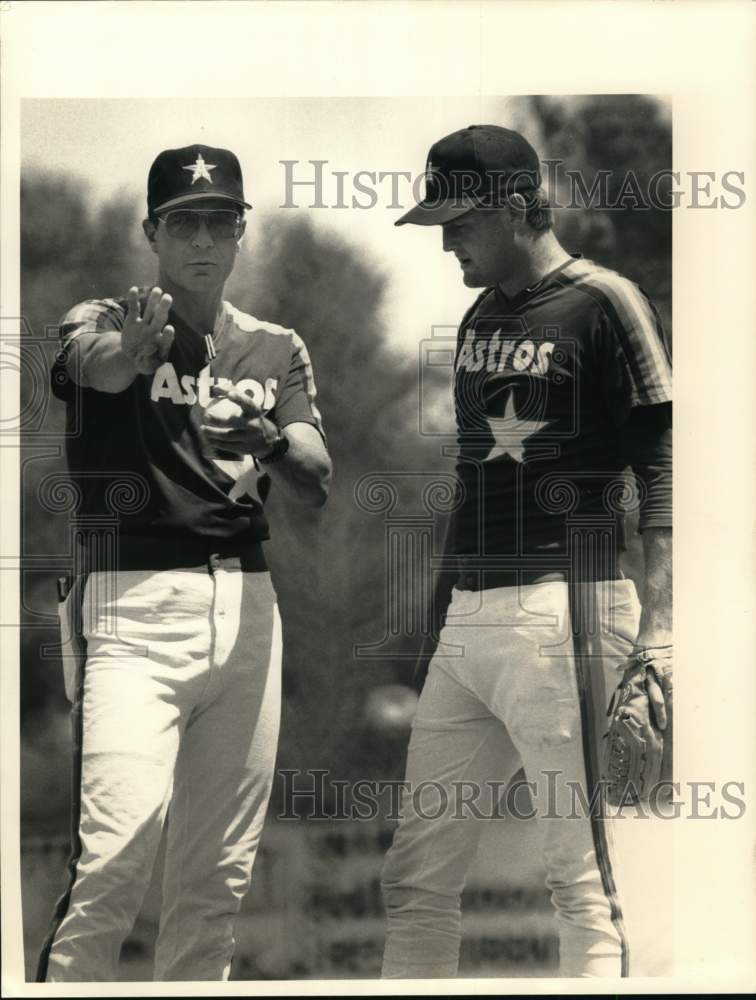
526	293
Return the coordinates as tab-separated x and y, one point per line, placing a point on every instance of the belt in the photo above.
490	579
148	552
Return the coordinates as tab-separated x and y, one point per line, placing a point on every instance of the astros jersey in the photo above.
543	382
139	452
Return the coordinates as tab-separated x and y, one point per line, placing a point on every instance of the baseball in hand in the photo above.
223	409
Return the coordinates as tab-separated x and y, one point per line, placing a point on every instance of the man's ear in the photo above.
240	237
517	209
149	229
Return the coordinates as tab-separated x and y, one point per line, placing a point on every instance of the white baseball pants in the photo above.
179	713
513	699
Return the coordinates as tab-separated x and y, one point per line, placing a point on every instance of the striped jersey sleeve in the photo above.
632	341
92	316
296	401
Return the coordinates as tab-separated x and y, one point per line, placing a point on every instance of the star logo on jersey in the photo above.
200	169
245	474
510	433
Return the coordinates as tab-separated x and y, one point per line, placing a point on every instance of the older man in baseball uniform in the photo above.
561	380
188	410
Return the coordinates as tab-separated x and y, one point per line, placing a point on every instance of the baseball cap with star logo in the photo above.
181	176
477	167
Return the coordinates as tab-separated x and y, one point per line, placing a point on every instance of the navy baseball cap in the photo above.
477	167
180	176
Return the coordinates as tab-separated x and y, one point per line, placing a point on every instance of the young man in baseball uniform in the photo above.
187	410
562	379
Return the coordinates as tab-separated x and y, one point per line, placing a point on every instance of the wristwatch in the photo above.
277	452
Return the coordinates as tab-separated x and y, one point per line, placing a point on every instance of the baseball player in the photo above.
561	380
187	410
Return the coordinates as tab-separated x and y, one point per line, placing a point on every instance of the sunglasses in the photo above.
222	223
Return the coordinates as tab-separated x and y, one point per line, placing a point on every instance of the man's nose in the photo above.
203	237
448	239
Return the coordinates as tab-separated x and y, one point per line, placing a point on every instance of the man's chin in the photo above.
472	279
203	281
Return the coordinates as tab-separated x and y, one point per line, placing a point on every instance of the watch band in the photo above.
277	452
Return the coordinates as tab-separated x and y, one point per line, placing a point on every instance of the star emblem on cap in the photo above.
200	169
510	433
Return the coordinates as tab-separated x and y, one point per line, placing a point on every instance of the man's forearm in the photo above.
656	617
304	472
97	361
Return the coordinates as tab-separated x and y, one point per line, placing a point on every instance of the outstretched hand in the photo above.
146	340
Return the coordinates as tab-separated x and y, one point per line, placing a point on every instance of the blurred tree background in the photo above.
329	565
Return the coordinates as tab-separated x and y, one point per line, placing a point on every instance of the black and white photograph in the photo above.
342	615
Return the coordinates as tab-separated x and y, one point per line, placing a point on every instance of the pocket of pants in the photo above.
135	604
620	624
543	708
72	644
536	691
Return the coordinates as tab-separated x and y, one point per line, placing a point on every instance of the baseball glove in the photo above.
638	744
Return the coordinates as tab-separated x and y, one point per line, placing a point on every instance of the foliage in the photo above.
629	136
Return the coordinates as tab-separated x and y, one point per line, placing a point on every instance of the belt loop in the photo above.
213	562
